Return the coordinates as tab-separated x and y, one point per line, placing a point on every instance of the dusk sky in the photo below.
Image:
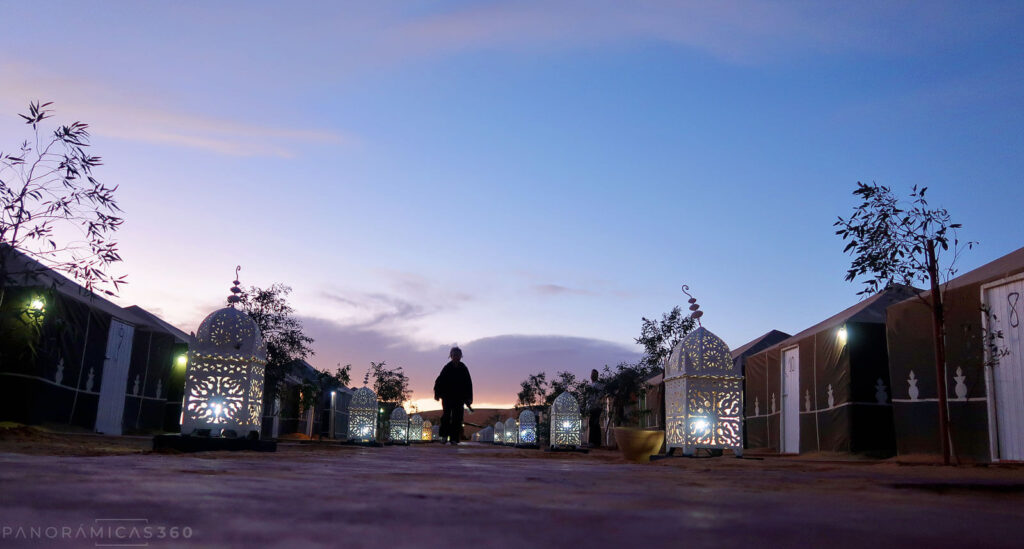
525	179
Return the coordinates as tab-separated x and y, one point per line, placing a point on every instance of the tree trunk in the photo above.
938	331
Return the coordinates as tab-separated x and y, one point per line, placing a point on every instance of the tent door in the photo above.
114	384
790	439
1005	301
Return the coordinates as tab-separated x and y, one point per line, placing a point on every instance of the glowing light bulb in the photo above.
37	304
566	424
181	361
841	335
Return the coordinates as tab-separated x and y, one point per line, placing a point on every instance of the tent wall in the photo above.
911	349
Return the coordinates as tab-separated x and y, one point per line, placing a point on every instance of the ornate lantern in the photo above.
499	433
527	428
511	432
416	428
487	435
565	422
399	433
703	393
224	380
428	431
362	416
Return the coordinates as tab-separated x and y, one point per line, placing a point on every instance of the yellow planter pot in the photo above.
639	445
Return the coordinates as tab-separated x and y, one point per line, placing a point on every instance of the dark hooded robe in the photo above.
454	388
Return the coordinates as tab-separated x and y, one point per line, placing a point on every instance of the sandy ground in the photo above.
308	495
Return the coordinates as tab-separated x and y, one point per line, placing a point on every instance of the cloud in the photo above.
556	289
497	363
118	114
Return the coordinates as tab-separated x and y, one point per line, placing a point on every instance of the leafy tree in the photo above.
282	332
905	242
623	385
566	382
533	391
658	337
54	210
325	380
390	384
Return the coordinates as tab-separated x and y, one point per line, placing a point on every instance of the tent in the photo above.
69	356
833	393
739	359
983	428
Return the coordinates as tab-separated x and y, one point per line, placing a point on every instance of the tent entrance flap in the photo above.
1005	302
114	383
790	438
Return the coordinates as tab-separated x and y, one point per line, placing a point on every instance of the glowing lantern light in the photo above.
703	396
428	431
224	380
416	428
181	361
841	335
362	416
527	429
511	433
399	433
436	432
565	422
37	305
499	433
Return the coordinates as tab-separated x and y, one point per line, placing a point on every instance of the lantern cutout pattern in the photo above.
399	432
703	396
565	422
511	432
527	428
427	434
499	433
416	428
224	380
362	416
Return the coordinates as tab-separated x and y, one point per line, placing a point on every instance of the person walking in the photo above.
595	397
454	388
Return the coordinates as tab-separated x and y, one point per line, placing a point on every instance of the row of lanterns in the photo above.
225	377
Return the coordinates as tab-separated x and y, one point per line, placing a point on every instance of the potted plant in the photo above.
621	389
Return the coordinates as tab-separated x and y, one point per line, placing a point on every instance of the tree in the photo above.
533	390
325	380
622	385
54	210
896	241
660	337
566	382
282	332
390	384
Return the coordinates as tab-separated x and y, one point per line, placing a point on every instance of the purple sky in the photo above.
526	179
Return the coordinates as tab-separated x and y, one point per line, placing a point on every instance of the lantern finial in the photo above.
697	313
235	290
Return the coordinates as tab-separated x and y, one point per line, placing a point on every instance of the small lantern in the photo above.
499	433
703	396
527	428
428	431
511	432
362	416
399	433
416	428
436	432
565	422
224	379
487	435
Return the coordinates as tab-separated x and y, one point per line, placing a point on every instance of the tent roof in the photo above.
870	310
29	272
993	270
764	340
178	334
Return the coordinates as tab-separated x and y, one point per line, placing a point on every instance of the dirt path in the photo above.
482	496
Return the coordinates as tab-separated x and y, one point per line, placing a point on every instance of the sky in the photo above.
525	179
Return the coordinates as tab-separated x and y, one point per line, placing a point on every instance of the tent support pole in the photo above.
81	366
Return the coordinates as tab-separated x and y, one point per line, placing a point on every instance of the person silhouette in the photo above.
454	388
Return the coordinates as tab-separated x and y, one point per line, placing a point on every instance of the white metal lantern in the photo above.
428	431
565	422
436	432
362	416
224	379
399	433
527	428
703	395
511	435
416	428
487	435
499	433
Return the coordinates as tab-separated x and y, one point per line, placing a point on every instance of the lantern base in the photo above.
528	446
567	449
190	444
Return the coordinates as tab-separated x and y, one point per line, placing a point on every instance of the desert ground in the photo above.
477	495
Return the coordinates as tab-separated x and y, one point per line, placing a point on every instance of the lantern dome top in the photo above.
229	331
700	353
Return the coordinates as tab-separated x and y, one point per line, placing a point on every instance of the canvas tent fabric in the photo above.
911	350
740	354
52	371
843	384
